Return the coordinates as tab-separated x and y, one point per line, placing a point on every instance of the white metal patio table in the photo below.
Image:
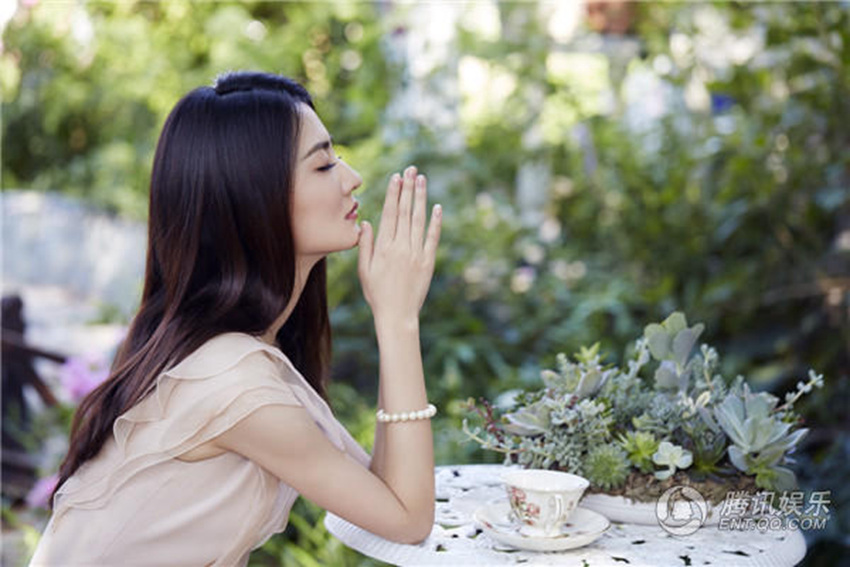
456	540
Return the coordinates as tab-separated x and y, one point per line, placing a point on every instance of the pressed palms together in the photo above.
396	269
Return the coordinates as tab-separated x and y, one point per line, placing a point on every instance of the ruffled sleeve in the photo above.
208	392
211	390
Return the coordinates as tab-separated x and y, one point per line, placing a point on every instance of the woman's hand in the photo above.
395	272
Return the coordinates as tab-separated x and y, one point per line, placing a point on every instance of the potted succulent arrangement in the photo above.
633	438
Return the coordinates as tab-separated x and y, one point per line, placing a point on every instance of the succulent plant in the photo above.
708	444
671	342
661	416
640	446
603	421
673	457
530	420
760	439
607	466
582	378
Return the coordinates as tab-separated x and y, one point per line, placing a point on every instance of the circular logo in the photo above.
681	510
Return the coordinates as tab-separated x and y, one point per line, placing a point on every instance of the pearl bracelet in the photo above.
426	413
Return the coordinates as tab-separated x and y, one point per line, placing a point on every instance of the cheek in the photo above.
304	203
310	218
316	204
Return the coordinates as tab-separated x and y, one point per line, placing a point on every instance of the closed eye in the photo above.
330	165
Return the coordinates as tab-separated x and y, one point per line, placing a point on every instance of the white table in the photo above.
455	540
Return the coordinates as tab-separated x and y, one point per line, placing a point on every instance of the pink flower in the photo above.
39	494
517	494
82	374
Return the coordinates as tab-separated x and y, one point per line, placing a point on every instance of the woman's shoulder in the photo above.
225	378
240	366
228	352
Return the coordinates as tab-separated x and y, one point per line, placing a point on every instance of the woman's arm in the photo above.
403	454
394	498
395	275
286	441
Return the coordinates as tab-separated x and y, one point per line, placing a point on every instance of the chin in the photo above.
341	243
343	247
356	240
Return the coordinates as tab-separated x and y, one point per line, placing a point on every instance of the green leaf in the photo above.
550	378
684	342
738	459
590	383
675	323
785	479
666	376
664	474
526	422
658	341
730	417
758	405
588	354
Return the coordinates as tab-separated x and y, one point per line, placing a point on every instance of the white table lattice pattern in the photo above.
455	540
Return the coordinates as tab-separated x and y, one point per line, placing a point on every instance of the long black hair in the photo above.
220	248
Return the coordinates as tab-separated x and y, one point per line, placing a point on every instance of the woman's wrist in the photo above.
394	325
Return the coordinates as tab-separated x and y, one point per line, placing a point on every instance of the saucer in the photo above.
583	527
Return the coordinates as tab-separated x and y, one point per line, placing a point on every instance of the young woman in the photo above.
214	417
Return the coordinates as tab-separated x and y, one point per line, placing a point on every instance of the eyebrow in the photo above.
323	145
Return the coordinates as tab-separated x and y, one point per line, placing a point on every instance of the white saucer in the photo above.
583	527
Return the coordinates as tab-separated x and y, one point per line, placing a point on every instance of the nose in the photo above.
352	180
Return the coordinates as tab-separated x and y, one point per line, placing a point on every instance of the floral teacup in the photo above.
541	500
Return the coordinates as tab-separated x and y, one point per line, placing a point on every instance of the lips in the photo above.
353	212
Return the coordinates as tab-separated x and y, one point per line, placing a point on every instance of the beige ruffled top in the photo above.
136	504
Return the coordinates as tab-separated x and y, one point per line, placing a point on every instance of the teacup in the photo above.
543	500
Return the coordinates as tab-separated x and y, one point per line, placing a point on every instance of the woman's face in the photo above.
321	193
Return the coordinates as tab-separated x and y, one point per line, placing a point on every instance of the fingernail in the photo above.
409	171
438	209
420	181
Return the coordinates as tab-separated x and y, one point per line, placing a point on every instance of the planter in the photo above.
658	454
628	511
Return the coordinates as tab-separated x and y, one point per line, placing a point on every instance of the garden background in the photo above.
600	165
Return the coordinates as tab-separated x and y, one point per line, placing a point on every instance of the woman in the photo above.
214	418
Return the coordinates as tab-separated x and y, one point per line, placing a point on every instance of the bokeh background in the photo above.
600	165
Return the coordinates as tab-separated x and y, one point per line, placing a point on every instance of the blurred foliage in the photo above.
730	203
82	114
734	205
